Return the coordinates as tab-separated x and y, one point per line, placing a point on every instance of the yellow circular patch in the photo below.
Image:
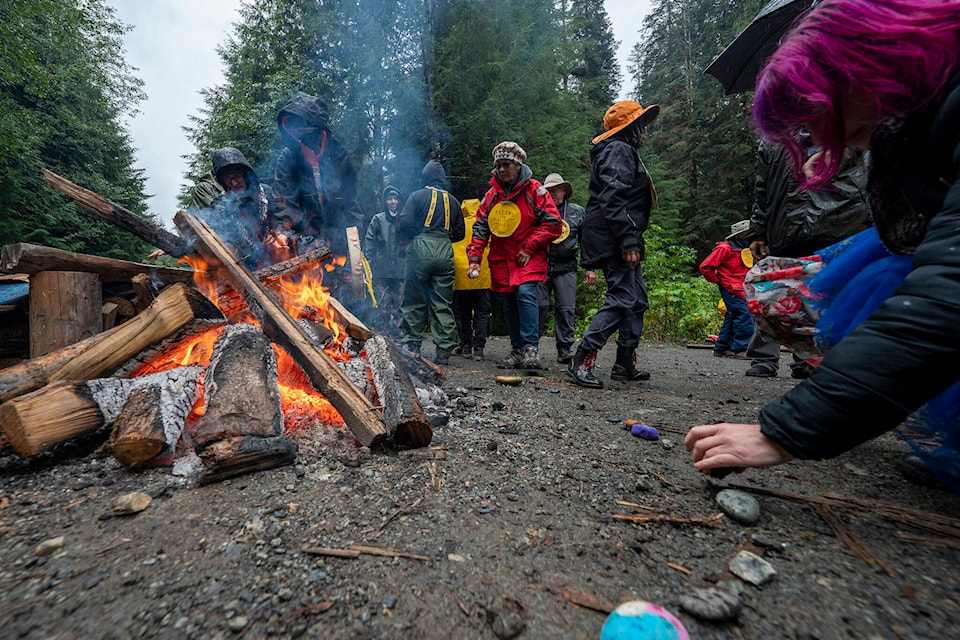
564	232
747	256
504	219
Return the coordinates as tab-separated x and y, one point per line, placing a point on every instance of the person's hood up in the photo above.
433	175
523	175
311	109
229	157
388	191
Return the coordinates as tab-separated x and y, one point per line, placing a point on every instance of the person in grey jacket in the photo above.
562	270
387	256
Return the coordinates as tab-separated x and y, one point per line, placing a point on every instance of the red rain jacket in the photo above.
724	266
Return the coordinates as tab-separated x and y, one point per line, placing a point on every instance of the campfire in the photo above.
227	366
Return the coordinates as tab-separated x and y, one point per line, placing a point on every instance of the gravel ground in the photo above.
509	525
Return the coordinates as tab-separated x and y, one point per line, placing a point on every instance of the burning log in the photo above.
118	216
358	413
406	422
65	307
230	301
36	421
152	419
240	388
31	258
176	307
245	454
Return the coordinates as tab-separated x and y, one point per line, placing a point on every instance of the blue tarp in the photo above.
13	291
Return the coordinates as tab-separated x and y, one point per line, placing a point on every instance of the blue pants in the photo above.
622	309
737	328
522	315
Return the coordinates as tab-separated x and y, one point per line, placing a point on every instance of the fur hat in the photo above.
624	113
556	180
737	228
509	151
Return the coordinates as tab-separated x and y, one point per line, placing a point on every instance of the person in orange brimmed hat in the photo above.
618	211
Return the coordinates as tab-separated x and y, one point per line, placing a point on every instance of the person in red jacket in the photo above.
726	266
519	220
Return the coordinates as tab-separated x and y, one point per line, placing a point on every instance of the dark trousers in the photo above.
471	307
622	309
765	354
564	288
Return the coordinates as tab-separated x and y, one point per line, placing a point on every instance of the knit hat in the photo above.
624	113
737	228
556	180
509	151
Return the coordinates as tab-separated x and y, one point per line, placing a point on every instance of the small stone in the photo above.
739	505
390	602
752	568
237	623
646	483
507	625
615	419
52	545
711	604
130	503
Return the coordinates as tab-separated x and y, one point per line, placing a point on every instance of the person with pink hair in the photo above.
883	75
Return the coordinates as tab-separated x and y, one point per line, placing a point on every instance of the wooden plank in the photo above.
65	307
32	258
116	215
357	412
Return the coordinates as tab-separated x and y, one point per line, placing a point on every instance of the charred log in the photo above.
408	426
245	454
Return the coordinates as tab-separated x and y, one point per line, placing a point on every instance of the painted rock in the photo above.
639	620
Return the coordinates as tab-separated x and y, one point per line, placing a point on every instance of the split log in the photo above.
143	293
31	258
245	454
176	307
116	215
406	422
36	421
358	413
152	419
65	307
109	312
240	388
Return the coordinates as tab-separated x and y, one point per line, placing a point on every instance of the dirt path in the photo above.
511	519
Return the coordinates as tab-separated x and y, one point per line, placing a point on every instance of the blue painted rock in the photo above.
639	620
645	431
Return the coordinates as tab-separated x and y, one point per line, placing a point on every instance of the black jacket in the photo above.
908	351
412	220
563	256
792	220
325	209
618	210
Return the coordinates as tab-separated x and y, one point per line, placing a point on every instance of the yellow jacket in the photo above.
461	281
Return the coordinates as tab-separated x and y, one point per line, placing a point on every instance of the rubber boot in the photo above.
581	369
626	366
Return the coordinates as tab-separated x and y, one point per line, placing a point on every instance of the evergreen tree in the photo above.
64	89
594	71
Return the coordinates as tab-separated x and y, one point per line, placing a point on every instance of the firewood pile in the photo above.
214	360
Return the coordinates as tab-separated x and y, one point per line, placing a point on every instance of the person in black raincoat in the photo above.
791	222
618	212
241	210
385	251
314	177
431	220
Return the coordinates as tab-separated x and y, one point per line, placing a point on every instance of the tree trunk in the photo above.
359	415
65	307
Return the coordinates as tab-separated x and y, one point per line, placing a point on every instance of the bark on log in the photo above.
240	388
118	216
65	308
245	454
143	295
358	413
176	307
36	421
31	258
153	417
407	424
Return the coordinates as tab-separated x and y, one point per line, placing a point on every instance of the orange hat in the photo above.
624	113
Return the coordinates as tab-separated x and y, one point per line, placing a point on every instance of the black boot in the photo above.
581	369
626	366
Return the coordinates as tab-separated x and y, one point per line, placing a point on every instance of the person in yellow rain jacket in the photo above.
471	296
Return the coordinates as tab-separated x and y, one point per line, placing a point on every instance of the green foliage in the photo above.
64	89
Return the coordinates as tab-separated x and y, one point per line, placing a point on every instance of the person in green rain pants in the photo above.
431	220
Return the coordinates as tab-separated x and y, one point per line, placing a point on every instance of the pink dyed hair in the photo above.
896	54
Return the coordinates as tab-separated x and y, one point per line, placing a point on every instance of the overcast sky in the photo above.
173	45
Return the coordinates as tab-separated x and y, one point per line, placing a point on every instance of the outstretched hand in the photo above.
733	445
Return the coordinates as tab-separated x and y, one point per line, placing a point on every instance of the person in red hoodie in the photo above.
726	266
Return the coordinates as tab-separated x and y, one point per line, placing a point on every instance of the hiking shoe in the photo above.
721	354
564	355
531	357
466	352
512	361
801	371
760	371
478	354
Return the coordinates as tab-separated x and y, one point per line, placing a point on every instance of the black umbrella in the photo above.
737	66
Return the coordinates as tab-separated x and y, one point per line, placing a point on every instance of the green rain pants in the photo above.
428	294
